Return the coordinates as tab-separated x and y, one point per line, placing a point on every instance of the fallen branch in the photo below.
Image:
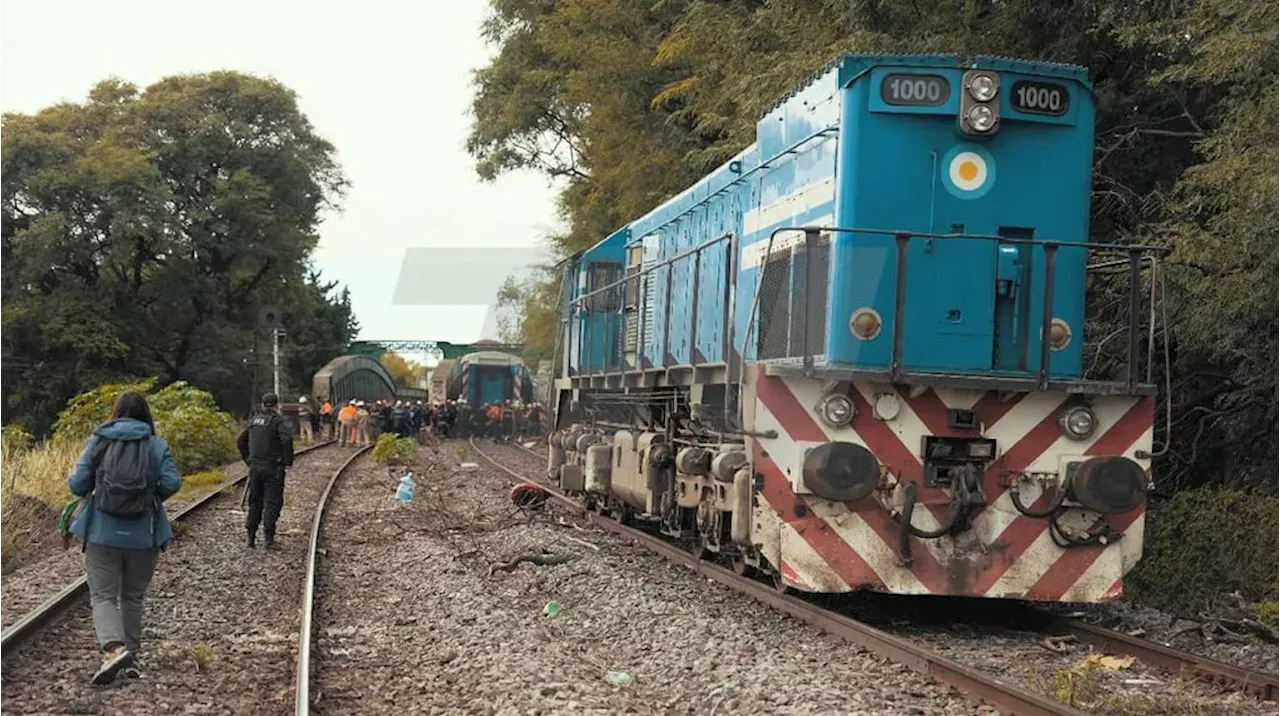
538	559
1056	644
584	543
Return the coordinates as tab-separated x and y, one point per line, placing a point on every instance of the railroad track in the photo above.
48	611
302	677
1004	695
1007	697
1183	664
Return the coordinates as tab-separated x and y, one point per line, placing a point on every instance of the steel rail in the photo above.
302	677
31	622
1183	664
1007	697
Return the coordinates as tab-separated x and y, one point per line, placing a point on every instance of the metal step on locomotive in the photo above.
852	356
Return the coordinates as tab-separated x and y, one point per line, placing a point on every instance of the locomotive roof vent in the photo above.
979	103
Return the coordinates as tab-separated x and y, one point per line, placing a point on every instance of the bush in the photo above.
1204	544
200	435
15	438
390	450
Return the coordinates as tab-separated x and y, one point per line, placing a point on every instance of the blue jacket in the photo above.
147	532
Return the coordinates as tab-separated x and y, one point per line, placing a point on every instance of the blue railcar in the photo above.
878	304
489	377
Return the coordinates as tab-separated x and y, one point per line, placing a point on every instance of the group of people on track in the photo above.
504	420
357	423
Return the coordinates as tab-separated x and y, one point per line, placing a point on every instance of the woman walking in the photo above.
124	475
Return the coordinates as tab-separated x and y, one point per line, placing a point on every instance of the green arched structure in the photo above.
359	377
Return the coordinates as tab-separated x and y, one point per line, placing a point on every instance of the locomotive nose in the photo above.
1109	485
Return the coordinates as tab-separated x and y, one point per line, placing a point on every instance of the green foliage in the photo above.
390	450
1204	544
88	410
626	103
199	434
1268	613
142	229
201	482
15	438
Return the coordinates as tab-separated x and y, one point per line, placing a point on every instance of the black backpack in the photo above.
124	478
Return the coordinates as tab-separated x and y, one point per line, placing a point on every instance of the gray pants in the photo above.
118	579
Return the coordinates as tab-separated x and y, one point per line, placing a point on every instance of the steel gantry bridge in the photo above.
442	350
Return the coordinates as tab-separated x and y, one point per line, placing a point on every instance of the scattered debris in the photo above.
469	466
528	496
552	609
544	559
582	542
1114	663
1057	644
620	678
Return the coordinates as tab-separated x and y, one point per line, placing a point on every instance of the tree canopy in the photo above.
624	104
404	371
144	229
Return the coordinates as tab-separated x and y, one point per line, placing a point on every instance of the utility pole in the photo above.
276	335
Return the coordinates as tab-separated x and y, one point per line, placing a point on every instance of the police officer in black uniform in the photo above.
266	445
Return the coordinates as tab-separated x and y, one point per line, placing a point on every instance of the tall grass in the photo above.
33	490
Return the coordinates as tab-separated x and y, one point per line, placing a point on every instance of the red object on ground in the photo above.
527	495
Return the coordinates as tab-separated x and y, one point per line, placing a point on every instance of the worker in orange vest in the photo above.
347	424
326	419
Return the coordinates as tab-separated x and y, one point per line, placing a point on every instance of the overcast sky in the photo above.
387	82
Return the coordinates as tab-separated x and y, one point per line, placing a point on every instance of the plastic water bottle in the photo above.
404	491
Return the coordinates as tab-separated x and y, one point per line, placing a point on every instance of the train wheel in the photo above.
779	584
698	548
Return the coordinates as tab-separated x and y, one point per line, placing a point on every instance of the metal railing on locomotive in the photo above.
801	341
629	295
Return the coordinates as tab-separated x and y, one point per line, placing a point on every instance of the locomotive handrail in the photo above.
654	267
1143	248
1136	253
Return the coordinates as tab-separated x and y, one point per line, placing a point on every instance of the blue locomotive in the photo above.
851	357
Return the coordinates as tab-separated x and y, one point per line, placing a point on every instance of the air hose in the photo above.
906	529
1054	505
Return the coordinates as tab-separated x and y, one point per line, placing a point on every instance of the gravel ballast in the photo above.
31	584
220	627
413	617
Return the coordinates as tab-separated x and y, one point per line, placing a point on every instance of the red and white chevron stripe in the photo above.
824	545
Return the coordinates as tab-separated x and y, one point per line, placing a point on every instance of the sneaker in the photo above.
112	662
253	541
271	543
132	671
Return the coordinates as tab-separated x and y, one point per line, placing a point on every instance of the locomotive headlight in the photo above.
984	87
865	324
981	118
1078	423
1059	334
836	410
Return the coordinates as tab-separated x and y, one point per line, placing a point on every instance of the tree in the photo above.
142	230
624	104
405	372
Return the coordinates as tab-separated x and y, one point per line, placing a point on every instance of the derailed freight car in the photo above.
851	357
490	377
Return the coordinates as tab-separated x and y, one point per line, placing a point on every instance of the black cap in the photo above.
270	400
